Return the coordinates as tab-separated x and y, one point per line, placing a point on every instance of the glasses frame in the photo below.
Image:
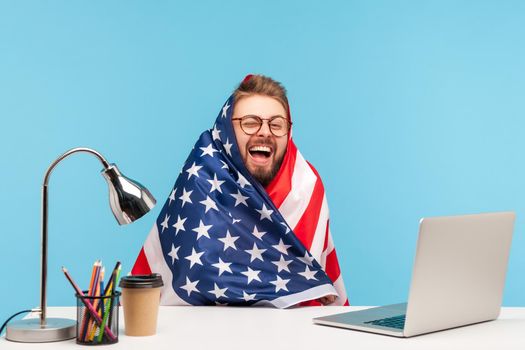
261	122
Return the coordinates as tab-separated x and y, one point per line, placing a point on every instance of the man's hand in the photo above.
327	300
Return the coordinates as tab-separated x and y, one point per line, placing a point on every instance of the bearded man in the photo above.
247	220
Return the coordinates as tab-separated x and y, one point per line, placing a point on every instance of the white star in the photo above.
193	170
215	184
185	198
258	234
208	150
190	286
202	230
242	180
224	109
252	275
179	225
172	196
194	258
215	133
279	284
286	226
265	213
174	253
209	203
283	248
224	165
308	274
228	147
255	253
234	220
218	291
282	264
164	224
222	266
239	198
247	297
229	240
307	259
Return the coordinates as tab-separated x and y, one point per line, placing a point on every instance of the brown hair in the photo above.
261	85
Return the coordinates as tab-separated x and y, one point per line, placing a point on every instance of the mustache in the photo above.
263	142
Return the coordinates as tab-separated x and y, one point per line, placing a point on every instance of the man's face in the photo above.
262	152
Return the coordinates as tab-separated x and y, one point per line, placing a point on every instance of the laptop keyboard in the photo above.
391	322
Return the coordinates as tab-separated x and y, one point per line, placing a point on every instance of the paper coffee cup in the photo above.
140	301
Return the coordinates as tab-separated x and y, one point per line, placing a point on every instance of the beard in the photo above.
265	176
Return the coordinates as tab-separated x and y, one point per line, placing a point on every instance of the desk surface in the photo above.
188	328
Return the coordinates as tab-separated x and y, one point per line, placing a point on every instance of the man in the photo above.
260	222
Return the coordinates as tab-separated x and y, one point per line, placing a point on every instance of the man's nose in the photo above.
265	129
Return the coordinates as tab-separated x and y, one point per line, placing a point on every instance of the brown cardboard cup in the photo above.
140	300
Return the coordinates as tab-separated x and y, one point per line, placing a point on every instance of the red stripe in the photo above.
326	235
141	266
332	266
281	185
305	228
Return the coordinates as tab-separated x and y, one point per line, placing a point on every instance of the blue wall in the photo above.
406	108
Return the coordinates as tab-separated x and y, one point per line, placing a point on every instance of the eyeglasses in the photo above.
251	124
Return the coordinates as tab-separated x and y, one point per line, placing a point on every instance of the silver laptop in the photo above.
458	278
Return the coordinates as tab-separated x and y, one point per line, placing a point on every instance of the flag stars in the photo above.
202	230
242	180
307	259
251	274
282	264
283	248
179	225
248	297
222	266
225	110
185	198
229	241
209	203
193	170
215	133
190	286
239	198
174	253
286	226
228	147
258	233
164	224
194	258
279	284
308	274
218	292
208	150
215	184
172	196
255	253
265	212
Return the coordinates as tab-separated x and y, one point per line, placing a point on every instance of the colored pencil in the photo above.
86	318
88	305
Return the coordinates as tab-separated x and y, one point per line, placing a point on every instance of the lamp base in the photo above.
30	330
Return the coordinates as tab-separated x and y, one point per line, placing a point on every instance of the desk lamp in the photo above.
129	201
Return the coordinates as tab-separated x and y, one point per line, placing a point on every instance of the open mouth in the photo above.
260	154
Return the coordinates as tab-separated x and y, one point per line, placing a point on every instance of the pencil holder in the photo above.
97	319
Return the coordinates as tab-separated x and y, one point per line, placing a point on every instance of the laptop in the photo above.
457	280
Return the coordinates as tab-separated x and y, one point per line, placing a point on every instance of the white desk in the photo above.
214	328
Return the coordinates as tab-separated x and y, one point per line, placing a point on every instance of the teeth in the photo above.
261	149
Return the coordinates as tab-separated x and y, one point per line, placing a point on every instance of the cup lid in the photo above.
141	281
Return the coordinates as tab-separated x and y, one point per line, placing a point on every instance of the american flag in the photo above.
221	238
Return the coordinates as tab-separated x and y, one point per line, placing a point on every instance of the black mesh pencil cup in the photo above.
97	319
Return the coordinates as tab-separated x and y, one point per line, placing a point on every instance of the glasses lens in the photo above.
279	126
250	124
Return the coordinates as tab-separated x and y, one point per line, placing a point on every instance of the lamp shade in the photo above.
129	200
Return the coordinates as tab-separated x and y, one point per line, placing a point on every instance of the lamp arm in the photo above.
43	278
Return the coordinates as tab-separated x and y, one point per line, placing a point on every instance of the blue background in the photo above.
406	108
